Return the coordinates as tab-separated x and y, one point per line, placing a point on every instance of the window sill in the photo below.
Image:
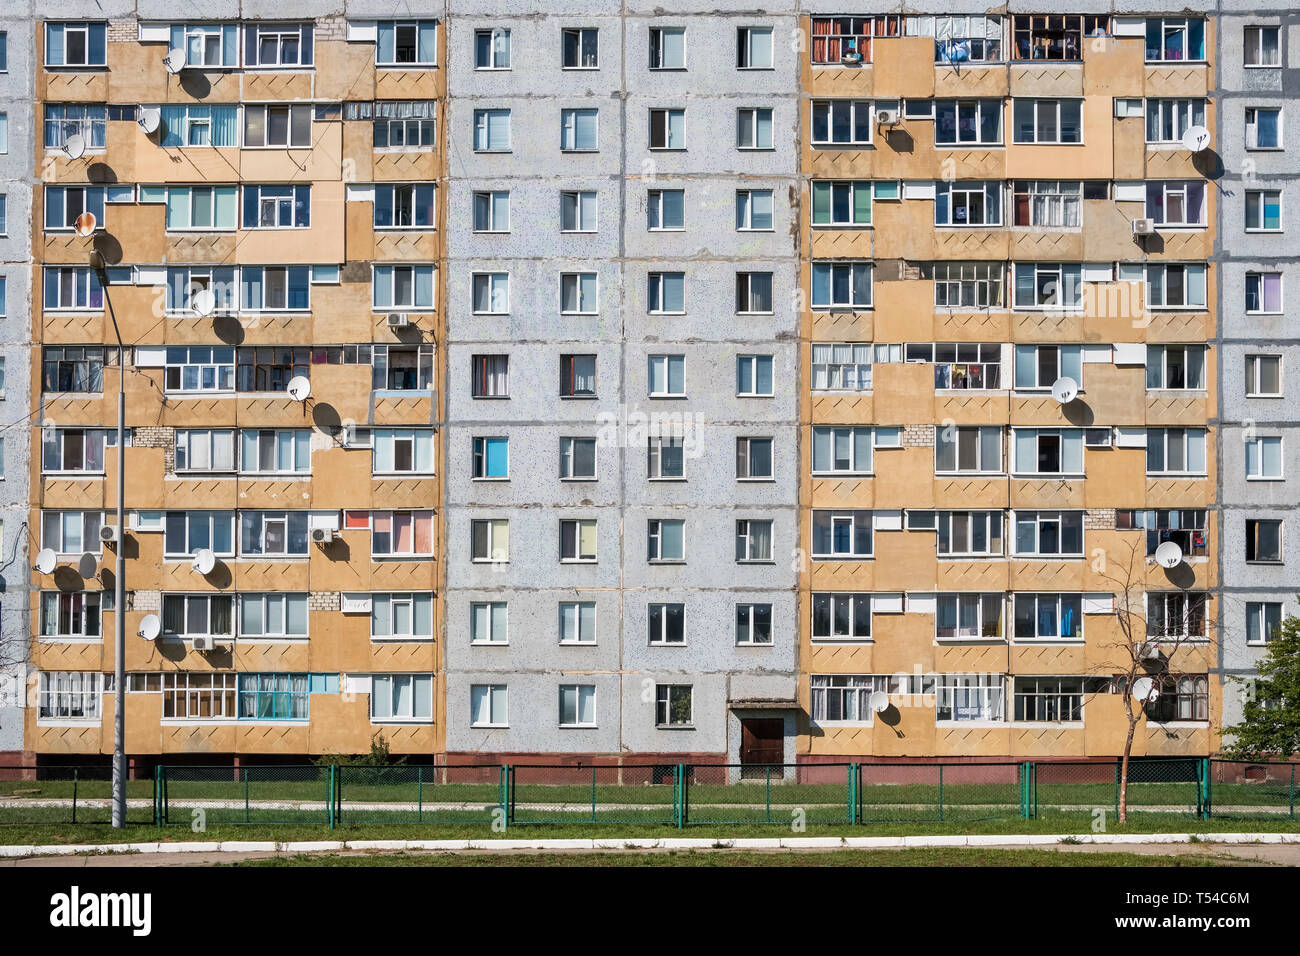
840	642
1156	476
581	478
401	639
67	721
397	557
1047	641
490	726
674	726
488	479
404	721
749	395
576	643
982	722
576	726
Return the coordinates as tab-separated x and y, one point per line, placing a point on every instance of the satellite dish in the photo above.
87	565
1145	689
74	147
45	560
150	627
1196	138
1065	390
174	61
299	388
879	702
84	225
204	302
149	119
1169	555
204	561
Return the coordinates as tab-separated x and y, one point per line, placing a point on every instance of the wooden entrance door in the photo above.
762	742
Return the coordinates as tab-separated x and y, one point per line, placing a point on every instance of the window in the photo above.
274	615
72	368
841	617
1168	286
754	128
842	450
191	695
277	45
753	625
753	293
577	622
488	623
577	705
72	449
1181	698
578	48
961	616
492	49
4	133
1176	202
578	459
578	211
4	214
209	449
274	126
841	285
667	376
578	130
578	294
665	458
490	539
400	451
1263	210
186	126
1264	458
665	209
1175	39
184	282
754	376
492	458
754	459
578	376
1186	528
76	44
1263	376
974	534
666	293
668	129
1048	616
1263	128
753	541
198	615
492	131
274	696
971	122
1168	120
666	623
841	39
1048	285
754	210
577	540
969	285
961	38
487	703
276	288
397	125
754	48
846	698
665	540
491	293
674	705
492	211
841	122
1055	37
403	287
968	449
1175	451
667	48
199	368
273	534
69	695
960	365
1054	699
70	615
407	43
401	534
1263	621
409	206
1051	534
841	366
68	288
267	368
841	535
1175	615
71	532
1264	293
1048	451
1261	46
968	204
1047	121
63	204
205	209
277	207
841	203
491	376
401	697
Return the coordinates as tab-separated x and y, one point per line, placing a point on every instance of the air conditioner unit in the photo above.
398	320
322	535
108	534
1144	227
887	117
204	643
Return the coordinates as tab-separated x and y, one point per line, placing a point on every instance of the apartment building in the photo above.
15	359
1259	351
1010	367
622	382
260	271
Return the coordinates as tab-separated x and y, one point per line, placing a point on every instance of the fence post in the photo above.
941	793
853	793
330	789
246	816
1118	764
1203	788
507	794
157	815
593	793
684	814
76	772
419	793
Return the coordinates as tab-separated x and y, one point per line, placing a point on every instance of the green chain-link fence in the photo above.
768	793
418	793
39	795
630	793
254	794
1251	789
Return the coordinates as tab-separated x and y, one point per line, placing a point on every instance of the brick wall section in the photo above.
918	436
323	601
120	31
158	436
332	28
1099	519
144	600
